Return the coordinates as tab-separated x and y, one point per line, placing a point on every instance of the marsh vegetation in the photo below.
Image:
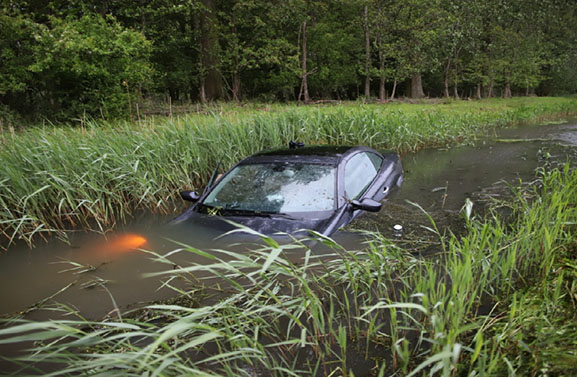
496	300
95	174
495	297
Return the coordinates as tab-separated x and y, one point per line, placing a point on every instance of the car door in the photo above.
357	175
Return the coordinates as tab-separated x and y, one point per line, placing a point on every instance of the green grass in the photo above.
498	300
96	174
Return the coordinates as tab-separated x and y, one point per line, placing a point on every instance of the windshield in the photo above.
276	188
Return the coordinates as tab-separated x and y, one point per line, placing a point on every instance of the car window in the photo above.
276	188
360	171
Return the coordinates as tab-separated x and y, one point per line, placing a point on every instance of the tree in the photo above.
336	48
69	56
557	22
385	32
16	53
178	55
90	65
418	30
516	49
247	39
460	30
367	51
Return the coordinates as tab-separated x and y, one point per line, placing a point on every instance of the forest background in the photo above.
60	60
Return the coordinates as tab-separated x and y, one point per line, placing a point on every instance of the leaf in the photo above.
271	258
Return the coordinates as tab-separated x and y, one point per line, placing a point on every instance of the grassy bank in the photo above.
498	301
95	174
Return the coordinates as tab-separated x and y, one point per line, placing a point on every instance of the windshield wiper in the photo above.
235	210
274	214
248	212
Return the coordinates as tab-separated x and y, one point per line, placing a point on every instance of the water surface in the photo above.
96	274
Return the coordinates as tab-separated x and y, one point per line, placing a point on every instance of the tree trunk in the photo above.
490	89
142	22
382	90
382	81
237	66
209	55
202	93
367	55
507	91
394	89
304	84
447	69
236	87
417	86
478	91
456	72
198	40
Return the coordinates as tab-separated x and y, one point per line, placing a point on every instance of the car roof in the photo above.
313	150
325	154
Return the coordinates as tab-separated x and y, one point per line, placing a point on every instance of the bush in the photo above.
90	65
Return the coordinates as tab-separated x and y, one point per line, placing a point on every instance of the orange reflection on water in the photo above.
125	243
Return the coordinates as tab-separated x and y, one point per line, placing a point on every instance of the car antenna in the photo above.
296	144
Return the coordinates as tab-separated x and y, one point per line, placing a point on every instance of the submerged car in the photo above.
319	188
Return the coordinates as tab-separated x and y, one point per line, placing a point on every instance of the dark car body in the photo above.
347	180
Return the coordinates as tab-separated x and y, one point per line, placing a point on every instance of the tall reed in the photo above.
379	308
92	176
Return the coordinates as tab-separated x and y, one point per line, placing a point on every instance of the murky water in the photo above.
440	181
437	177
95	274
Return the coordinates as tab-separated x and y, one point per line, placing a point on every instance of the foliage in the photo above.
202	50
97	174
171	29
385	28
90	64
247	43
16	52
335	46
87	65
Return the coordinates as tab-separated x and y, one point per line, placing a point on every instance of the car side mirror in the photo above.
367	204
190	196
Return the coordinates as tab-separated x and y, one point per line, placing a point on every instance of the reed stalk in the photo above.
498	300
